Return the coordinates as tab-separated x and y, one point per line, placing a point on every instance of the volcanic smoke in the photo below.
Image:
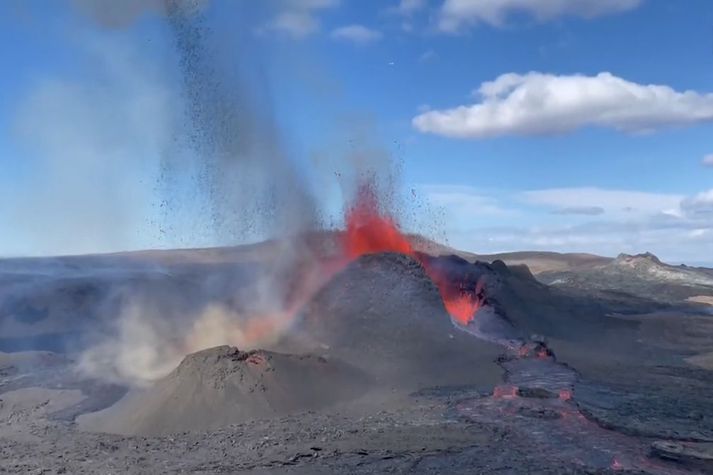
227	150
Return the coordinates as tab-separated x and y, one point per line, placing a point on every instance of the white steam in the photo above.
192	146
145	345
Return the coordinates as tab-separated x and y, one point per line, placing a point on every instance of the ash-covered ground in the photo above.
372	377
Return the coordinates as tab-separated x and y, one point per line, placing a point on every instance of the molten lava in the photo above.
505	392
565	394
461	308
369	230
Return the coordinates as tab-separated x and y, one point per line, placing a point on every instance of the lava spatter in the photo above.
371	230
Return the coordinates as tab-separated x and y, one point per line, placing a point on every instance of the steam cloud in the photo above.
223	176
251	185
226	145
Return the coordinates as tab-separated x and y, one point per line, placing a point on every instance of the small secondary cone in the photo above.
223	385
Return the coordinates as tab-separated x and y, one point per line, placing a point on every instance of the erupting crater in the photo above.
371	230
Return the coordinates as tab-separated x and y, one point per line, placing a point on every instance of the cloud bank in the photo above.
299	18
457	14
700	205
409	7
357	34
545	104
597	201
586	219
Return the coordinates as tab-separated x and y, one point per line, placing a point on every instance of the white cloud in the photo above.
699	233
407	10
708	160
541	104
298	18
606	222
295	23
427	56
580	211
455	14
614	203
699	206
409	7
358	34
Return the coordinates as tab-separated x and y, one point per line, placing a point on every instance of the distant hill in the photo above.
540	261
537	261
643	275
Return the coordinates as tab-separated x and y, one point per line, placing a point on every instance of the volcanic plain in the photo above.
568	364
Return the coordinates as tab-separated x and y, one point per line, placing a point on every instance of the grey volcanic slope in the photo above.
385	315
384	320
531	307
221	386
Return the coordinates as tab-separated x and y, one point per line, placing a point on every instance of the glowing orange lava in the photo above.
505	392
461	308
369	230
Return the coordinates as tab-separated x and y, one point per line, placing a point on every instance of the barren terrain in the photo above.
373	376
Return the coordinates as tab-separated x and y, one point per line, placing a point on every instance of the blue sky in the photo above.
579	125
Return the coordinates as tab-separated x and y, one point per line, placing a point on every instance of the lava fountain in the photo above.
369	230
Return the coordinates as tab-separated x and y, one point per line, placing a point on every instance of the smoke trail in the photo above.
249	190
252	188
245	187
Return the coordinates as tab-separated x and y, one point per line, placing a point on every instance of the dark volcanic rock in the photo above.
697	456
661	402
643	259
641	275
384	314
540	393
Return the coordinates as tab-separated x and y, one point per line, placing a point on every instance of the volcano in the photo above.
223	385
371	230
373	369
379	326
385	314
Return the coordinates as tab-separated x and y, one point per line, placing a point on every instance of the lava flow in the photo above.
370	230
